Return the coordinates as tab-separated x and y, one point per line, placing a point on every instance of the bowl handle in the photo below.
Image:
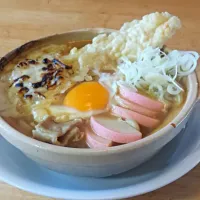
198	79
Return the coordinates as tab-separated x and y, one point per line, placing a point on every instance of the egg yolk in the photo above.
87	96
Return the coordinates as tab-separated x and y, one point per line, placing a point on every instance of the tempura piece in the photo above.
133	37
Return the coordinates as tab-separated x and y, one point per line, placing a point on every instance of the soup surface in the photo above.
72	97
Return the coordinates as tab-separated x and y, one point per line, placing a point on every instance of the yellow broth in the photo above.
63	50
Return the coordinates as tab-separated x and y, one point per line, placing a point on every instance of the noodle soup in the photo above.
109	91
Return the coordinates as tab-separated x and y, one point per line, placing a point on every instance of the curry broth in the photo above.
26	126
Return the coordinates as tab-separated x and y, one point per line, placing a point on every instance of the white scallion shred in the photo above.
158	73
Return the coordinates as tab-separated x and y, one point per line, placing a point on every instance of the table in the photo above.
24	20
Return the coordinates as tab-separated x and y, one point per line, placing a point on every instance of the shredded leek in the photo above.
159	73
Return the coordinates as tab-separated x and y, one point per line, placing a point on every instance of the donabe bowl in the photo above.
90	162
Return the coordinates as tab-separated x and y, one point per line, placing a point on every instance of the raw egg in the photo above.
87	96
